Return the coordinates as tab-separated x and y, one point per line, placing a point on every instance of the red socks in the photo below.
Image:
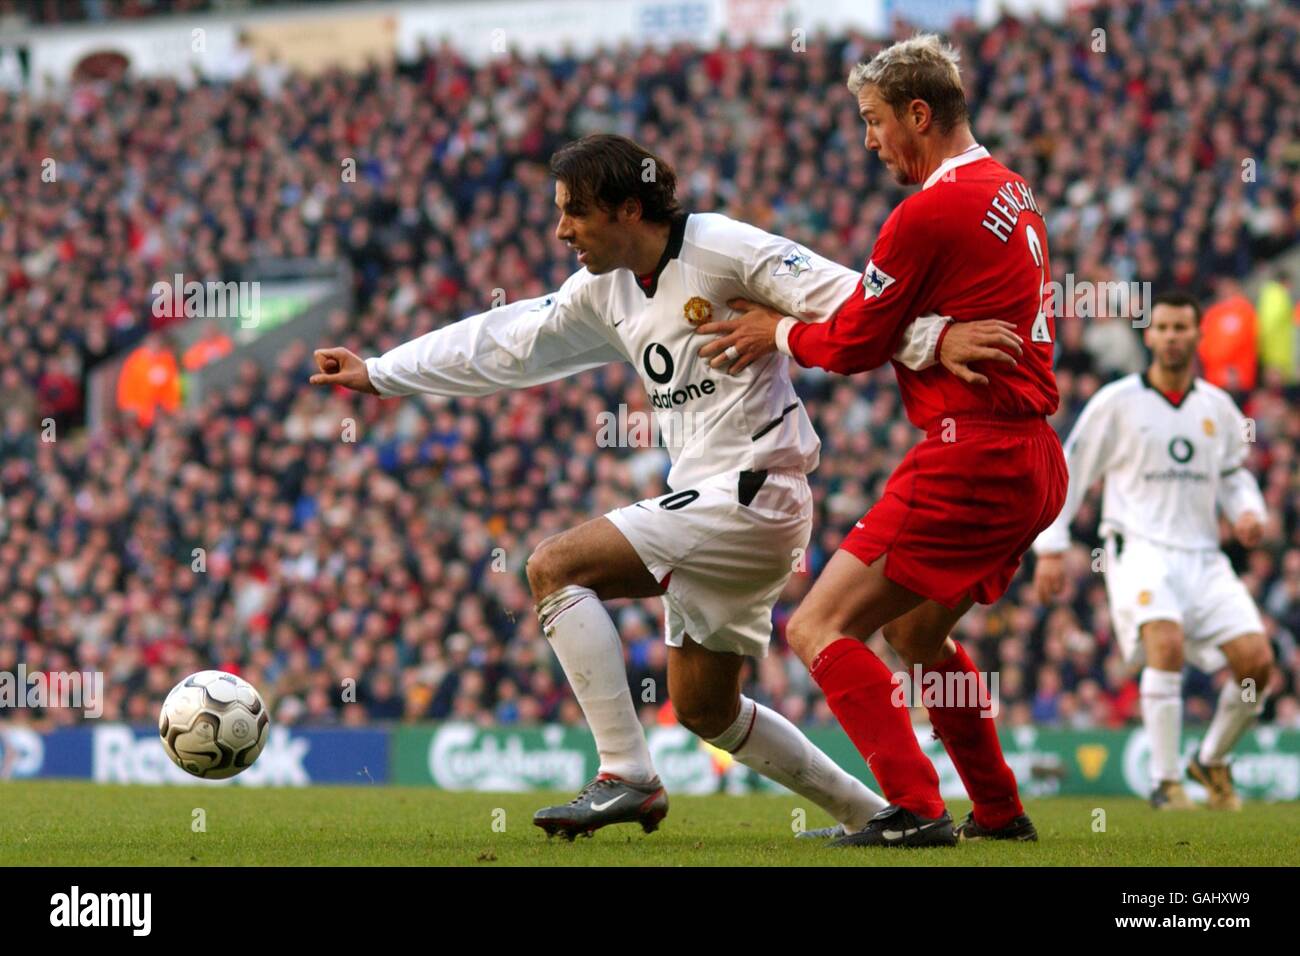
859	689
972	743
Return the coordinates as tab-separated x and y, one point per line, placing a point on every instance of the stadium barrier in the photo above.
117	753
219	45
455	756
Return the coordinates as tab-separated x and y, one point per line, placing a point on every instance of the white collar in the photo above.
970	154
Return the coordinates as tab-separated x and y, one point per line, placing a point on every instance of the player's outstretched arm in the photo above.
518	345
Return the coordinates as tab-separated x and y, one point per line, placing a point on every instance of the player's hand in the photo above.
988	340
338	366
1049	576
753	335
1249	530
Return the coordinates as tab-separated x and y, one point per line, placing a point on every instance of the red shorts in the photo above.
958	514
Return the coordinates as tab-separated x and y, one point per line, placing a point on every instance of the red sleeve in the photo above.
864	331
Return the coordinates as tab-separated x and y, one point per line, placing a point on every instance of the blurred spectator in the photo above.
1277	328
58	393
149	380
1228	351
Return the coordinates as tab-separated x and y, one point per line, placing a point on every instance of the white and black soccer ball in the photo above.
213	724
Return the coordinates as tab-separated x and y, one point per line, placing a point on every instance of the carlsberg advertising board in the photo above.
1046	762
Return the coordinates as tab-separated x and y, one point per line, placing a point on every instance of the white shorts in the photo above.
726	562
1196	589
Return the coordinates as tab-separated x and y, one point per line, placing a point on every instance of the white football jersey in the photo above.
710	422
1165	467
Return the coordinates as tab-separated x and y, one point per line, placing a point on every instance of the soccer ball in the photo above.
213	724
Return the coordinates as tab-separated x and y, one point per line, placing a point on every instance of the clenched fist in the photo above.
339	366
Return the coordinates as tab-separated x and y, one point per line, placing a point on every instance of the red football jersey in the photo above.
971	244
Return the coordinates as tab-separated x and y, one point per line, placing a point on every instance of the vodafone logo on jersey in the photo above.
875	281
658	364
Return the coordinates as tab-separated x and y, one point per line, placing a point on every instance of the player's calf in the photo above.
570	575
704	686
962	716
1241	699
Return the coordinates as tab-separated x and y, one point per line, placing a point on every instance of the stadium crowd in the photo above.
362	560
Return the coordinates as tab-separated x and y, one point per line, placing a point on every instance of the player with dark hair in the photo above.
1170	449
720	545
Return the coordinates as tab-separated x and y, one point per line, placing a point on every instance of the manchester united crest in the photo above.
698	310
1208	425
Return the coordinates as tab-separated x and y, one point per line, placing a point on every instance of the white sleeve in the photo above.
919	348
1238	492
1087	455
804	286
518	345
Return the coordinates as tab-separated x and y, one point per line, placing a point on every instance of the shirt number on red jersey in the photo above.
1041	331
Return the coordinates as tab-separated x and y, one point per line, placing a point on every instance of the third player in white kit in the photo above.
1171	450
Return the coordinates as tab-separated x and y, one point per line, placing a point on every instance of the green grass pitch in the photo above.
84	824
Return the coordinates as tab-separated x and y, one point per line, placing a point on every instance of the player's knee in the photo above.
804	635
1257	665
1164	645
917	645
704	718
901	639
546	569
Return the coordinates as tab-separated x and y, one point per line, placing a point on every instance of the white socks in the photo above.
767	743
587	645
588	648
1162	714
1231	718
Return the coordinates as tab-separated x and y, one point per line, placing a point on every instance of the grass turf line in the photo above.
46	823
